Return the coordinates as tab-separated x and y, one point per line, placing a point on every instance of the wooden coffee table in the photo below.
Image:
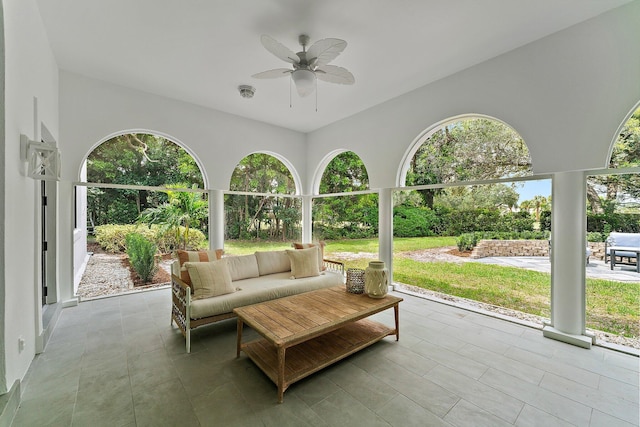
306	332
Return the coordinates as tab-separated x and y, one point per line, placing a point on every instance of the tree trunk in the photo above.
594	200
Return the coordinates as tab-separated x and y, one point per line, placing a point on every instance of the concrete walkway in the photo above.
596	269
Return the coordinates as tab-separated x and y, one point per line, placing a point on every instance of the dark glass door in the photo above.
43	245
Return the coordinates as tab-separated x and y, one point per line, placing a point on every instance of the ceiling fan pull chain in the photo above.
290	79
316	94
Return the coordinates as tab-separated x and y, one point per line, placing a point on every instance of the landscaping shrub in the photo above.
141	254
594	236
343	231
411	221
456	222
607	222
515	221
545	220
466	242
112	237
168	241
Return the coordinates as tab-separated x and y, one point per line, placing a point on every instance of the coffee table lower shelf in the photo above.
305	358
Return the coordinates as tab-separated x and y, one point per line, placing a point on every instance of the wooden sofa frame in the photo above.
181	304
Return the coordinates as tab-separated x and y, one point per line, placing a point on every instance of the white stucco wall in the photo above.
30	72
91	110
566	94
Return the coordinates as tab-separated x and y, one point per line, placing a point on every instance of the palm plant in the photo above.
183	209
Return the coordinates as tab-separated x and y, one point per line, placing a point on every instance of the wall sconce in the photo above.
43	159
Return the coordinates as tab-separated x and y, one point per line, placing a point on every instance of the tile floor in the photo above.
117	362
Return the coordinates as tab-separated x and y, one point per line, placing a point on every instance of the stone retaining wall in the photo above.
597	250
490	248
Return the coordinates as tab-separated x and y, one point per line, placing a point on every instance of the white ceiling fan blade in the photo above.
272	74
279	50
324	51
333	74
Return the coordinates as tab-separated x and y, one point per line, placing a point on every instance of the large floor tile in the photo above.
119	362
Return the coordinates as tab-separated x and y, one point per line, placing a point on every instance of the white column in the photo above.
307	219
66	286
568	228
216	219
385	229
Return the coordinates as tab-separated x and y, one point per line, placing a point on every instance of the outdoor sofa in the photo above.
206	287
629	241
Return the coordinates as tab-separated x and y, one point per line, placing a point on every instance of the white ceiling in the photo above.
199	51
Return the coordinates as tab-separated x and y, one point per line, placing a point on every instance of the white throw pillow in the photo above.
209	279
304	262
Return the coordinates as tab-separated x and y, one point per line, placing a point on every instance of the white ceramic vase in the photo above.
376	279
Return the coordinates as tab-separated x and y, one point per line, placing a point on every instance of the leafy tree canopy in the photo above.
345	216
247	216
478	196
142	159
262	173
344	173
135	159
468	150
608	192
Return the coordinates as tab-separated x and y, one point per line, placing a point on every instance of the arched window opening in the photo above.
619	192
613	215
470	149
136	159
271	214
351	219
126	177
467	199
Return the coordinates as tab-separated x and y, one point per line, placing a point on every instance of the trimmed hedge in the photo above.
112	237
620	222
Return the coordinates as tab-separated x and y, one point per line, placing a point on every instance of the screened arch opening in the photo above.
613	215
261	204
136	159
346	211
465	183
143	184
468	149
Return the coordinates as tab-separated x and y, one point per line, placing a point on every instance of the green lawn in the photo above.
612	307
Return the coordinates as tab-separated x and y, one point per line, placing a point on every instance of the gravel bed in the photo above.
105	276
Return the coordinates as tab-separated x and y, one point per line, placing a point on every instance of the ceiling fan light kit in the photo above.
305	81
308	65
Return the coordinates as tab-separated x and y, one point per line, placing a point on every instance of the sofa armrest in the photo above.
181	307
332	265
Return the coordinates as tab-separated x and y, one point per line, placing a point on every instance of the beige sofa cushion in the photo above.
243	267
195	256
320	245
260	289
272	262
304	262
209	279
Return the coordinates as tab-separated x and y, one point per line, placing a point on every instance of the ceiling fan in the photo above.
308	65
